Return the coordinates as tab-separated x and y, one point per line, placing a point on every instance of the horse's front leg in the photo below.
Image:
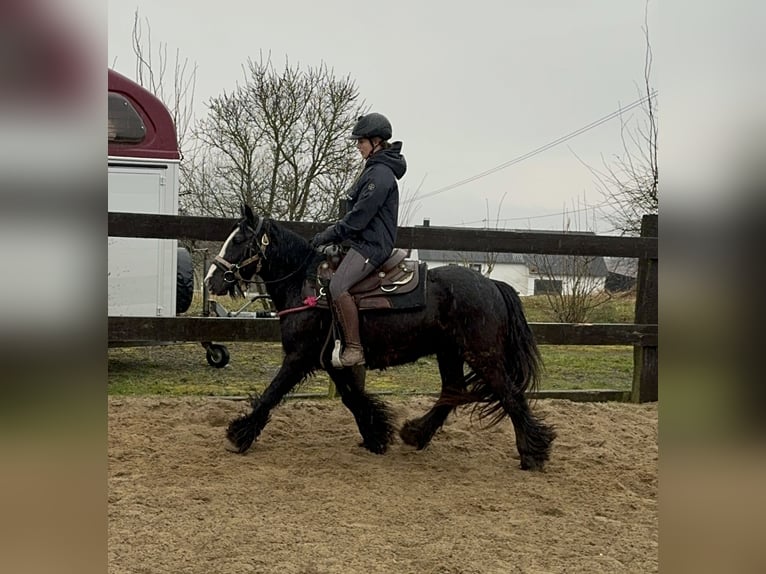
244	430
372	416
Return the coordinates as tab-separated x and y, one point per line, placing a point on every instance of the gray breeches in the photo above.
351	270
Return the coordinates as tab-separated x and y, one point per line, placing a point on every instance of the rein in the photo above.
299	268
309	302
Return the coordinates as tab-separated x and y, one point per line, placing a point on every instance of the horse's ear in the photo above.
247	213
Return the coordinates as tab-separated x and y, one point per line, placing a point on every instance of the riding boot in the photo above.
346	311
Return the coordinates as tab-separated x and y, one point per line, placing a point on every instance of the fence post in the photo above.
205	294
645	359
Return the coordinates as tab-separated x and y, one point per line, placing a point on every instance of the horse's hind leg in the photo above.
419	432
372	415
533	437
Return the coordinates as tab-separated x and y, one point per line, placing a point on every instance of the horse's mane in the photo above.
288	239
293	248
287	235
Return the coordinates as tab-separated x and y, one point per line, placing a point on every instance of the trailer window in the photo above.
125	124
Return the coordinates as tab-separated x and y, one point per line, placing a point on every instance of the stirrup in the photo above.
336	362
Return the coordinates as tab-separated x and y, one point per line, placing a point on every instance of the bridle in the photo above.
231	271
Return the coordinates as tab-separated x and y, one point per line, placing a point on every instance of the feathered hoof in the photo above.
533	464
240	434
375	448
538	449
535	460
377	440
412	434
230	446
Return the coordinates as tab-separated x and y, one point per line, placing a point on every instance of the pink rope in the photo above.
309	302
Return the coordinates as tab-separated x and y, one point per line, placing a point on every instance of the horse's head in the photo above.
241	255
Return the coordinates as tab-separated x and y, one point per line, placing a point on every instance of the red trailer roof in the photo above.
139	123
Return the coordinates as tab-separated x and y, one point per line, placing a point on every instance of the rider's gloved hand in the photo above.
323	237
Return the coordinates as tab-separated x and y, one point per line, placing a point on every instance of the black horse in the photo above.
468	319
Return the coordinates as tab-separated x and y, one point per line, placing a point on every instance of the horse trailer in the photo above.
146	277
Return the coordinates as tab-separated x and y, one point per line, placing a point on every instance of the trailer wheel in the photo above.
217	356
184	281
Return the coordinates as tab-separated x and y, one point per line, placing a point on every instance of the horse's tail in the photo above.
522	356
523	365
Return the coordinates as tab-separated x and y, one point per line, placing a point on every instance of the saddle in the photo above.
397	284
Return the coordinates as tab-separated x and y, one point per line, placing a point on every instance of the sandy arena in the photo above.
307	500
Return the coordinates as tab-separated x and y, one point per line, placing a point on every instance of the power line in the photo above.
552	214
540	149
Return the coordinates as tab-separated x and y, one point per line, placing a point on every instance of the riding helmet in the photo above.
370	126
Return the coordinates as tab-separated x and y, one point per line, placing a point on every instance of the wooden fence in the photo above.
642	334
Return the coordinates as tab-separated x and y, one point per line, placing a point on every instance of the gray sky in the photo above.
468	86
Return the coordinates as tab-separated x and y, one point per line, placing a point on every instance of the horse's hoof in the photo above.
374	448
408	435
240	434
532	464
411	436
230	447
238	449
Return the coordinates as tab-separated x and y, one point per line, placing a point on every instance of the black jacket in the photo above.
370	223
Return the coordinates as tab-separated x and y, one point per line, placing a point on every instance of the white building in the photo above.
528	274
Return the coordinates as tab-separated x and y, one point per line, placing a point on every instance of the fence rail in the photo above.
642	335
177	329
215	229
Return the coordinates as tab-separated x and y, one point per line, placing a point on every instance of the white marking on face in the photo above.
221	253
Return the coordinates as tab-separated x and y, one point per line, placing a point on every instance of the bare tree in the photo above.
278	142
409	202
573	291
628	182
572	284
176	92
229	160
490	258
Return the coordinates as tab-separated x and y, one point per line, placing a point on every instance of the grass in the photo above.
181	369
619	309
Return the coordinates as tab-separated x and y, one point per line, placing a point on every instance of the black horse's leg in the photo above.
244	430
371	414
533	437
419	432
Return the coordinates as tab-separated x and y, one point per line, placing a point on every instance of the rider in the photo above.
369	226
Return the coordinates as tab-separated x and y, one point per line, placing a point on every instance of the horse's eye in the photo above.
239	238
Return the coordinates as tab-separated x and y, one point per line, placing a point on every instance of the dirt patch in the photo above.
307	500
